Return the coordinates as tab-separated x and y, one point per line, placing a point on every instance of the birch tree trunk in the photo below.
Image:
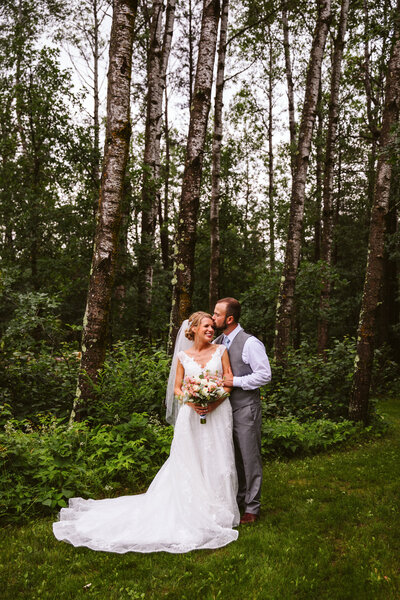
319	159
388	311
371	99
18	69
216	160
290	87
191	61
372	106
189	204
293	245
359	400
96	103
163	206
271	183
159	51
327	211
118	131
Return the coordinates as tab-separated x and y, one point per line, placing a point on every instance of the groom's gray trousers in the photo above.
246	409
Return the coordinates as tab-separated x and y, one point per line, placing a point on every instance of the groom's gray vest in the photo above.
238	396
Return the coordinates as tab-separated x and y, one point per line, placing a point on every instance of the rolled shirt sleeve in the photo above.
255	356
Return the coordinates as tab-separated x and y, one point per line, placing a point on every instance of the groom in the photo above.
251	370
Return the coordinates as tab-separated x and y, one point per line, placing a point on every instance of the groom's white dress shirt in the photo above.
255	356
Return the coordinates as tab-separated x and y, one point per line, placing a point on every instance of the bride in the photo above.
191	503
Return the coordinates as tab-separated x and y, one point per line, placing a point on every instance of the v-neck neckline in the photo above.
197	362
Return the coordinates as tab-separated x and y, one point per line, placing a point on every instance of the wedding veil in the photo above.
181	343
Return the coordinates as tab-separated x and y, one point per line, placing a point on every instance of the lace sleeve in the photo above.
218	362
181	355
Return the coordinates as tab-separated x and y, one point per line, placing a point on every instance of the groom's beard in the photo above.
223	326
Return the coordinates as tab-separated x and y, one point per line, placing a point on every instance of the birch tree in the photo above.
319	153
289	82
189	203
389	310
159	50
118	131
373	103
293	245
216	160
164	203
83	33
359	401
327	211
270	129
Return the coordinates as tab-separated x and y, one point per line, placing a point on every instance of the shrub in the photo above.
133	379
41	467
36	382
309	387
287	436
386	372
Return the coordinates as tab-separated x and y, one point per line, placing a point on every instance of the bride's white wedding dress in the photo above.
190	504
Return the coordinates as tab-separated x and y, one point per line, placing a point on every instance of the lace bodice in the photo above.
213	366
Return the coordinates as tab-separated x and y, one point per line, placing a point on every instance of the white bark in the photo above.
95	323
216	160
293	246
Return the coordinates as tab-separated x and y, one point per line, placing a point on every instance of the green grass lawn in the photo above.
330	529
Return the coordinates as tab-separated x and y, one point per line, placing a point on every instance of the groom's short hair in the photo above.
232	308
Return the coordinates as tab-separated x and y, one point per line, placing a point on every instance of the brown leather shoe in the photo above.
249	518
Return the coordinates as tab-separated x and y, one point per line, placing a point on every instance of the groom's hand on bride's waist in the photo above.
228	380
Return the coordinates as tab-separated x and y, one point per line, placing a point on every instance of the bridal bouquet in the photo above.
203	390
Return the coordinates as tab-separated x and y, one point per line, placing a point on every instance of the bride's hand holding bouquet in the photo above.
203	392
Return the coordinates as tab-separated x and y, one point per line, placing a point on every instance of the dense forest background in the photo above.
280	193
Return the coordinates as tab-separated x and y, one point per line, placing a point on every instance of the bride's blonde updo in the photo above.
194	321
